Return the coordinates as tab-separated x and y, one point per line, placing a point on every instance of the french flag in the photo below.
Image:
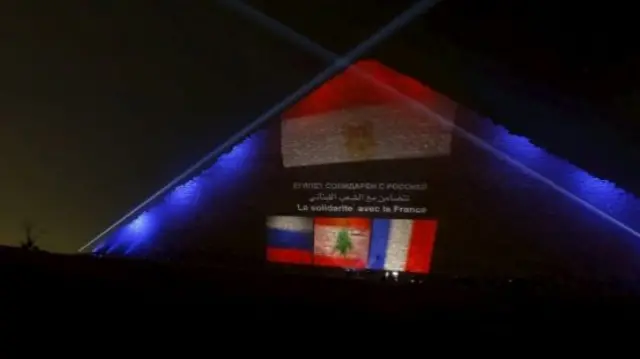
402	244
290	239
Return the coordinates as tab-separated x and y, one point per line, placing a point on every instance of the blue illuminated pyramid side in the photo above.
174	211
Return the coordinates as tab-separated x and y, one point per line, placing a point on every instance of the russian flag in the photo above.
342	242
290	239
402	244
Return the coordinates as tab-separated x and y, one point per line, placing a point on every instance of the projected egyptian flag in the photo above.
290	239
351	119
402	244
341	242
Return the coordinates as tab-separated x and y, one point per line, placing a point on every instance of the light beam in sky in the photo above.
338	64
325	54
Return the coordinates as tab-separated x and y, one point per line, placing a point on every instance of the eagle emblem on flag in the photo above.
359	139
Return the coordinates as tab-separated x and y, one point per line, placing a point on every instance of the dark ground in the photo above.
103	290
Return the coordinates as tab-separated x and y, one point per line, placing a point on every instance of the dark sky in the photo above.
103	104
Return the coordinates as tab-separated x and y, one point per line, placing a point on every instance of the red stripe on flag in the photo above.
350	89
293	256
348	222
423	237
328	261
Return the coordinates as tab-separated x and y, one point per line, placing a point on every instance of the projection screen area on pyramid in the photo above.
355	176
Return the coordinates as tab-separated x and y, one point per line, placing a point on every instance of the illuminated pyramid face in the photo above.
481	214
367	116
367	113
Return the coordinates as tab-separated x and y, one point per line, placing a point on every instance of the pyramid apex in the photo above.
367	82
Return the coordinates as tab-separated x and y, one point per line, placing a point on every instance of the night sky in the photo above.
102	105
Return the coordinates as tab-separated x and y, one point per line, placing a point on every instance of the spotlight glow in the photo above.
181	202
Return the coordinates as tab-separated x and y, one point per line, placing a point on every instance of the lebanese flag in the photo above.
341	242
402	244
351	119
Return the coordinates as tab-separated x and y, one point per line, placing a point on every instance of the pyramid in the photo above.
365	172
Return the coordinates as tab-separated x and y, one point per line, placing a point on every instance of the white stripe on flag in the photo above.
362	134
398	244
290	223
